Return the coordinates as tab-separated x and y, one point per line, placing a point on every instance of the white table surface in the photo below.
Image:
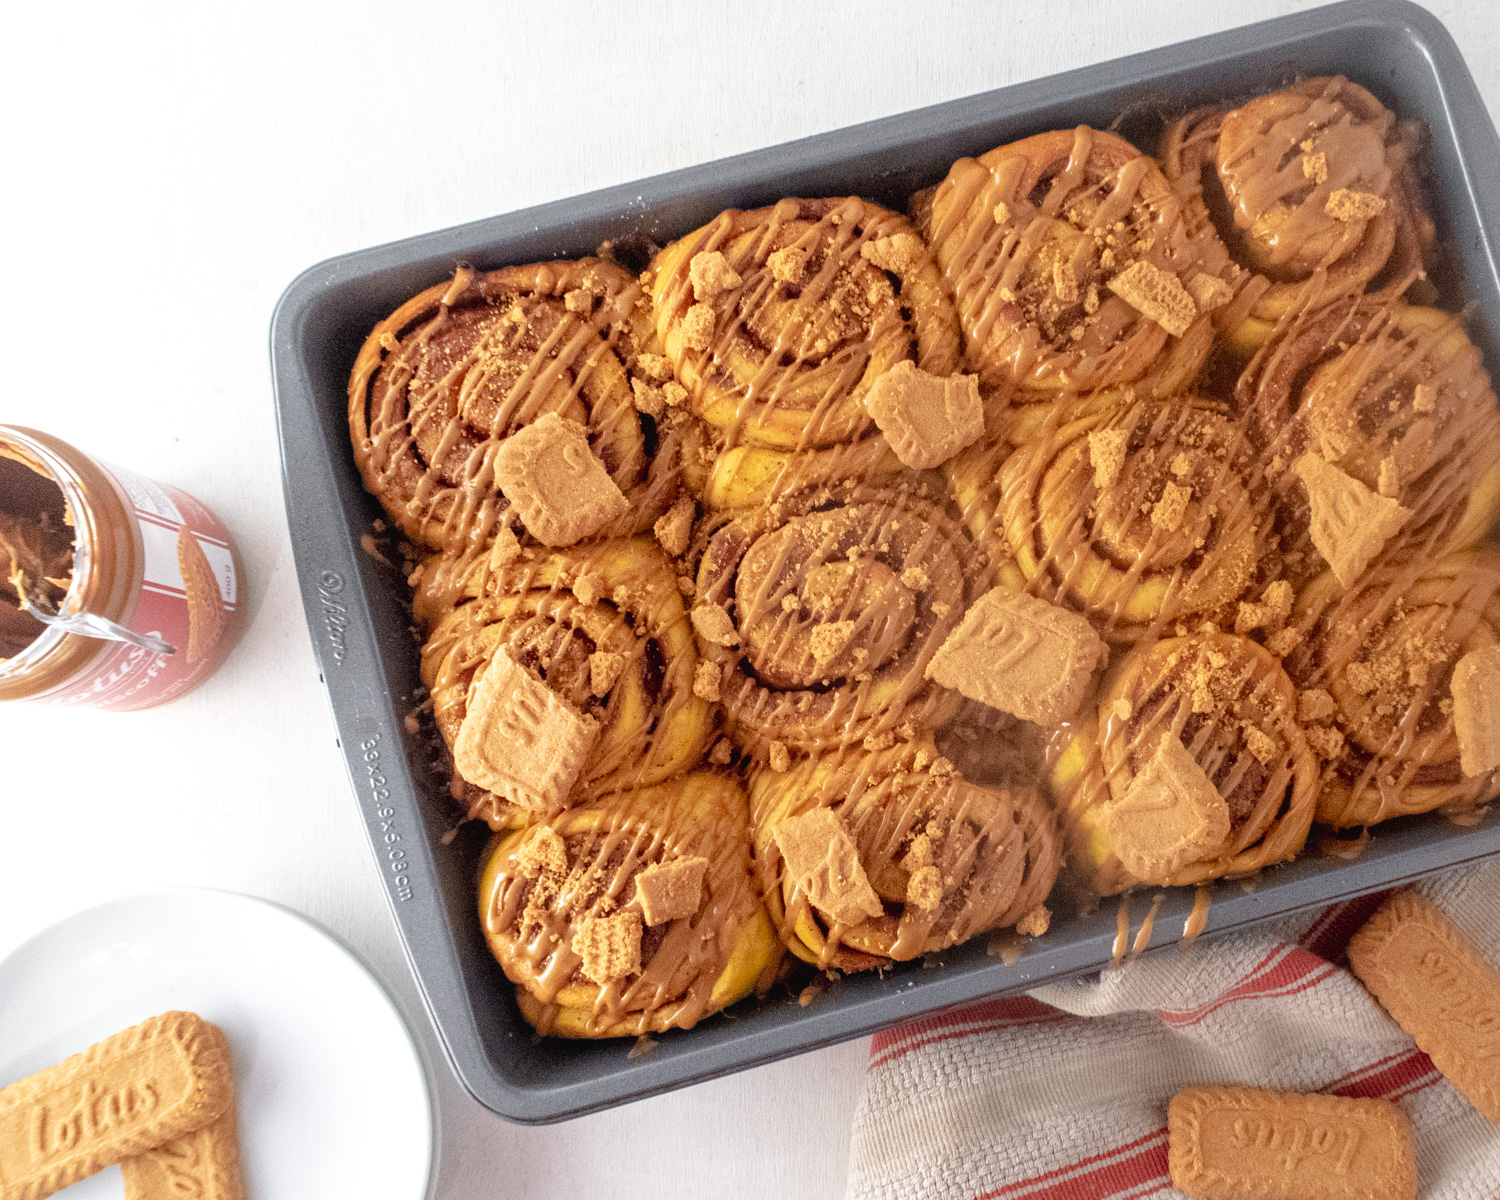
169	169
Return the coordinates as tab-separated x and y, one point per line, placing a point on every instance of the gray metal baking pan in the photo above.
359	623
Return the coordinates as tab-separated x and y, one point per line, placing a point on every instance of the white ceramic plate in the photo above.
332	1099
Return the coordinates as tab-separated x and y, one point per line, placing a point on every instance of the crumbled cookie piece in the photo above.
1020	655
1107	455
1315	167
1270	613
780	759
671	890
1157	295
698	327
711	275
1001	213
543	853
1476	710
1064	281
829	639
560	491
722	752
1344	205
823	862
1283	642
1350	523
788	265
1314	704
674	529
655	367
521	740
915	578
610	947
901	252
706	681
1170	815
605	667
673	393
1167	513
505	549
1327	742
1209	291
648	399
713	624
579	301
1261	744
1388	483
1424	398
1036	922
927	419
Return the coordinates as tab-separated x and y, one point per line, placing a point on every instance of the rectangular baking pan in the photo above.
359	623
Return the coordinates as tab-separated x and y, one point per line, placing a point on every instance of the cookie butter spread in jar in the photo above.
115	591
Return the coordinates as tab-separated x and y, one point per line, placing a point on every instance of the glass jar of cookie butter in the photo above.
116	591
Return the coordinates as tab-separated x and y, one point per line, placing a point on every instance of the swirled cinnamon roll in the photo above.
445	380
1138	513
865	859
1072	266
1377	665
634	914
779	320
1194	768
1311	188
1391	395
822	611
604	627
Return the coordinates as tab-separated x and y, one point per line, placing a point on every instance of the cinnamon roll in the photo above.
1057	248
1392	395
1139	514
1376	663
1311	188
634	914
822	611
933	858
1209	721
442	382
604	627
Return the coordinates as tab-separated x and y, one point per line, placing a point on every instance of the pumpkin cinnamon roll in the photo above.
1377	664
634	914
445	380
1312	189
1393	396
1138	514
1194	767
821	613
869	858
1072	267
604	627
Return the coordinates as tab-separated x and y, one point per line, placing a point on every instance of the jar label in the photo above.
189	597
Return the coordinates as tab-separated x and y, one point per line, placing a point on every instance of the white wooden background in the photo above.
168	169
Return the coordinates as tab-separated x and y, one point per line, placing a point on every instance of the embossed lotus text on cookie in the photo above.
1439	989
1232	1143
202	1165
147	1085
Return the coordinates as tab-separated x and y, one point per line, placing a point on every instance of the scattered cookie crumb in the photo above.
1157	295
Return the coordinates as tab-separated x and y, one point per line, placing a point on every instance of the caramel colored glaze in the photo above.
1402	630
1243	172
1208	690
652	726
689	966
1148	926
1031	289
1101	551
1122	932
445	379
1383	391
824	557
996	851
788	363
1197	919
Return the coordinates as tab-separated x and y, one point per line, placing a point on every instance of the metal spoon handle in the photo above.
92	625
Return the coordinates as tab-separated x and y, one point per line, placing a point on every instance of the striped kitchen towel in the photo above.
1062	1095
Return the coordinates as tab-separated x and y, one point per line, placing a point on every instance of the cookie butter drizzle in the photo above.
531	922
1029	237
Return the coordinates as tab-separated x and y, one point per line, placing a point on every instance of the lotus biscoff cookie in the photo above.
127	1094
202	1165
1237	1143
1439	989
